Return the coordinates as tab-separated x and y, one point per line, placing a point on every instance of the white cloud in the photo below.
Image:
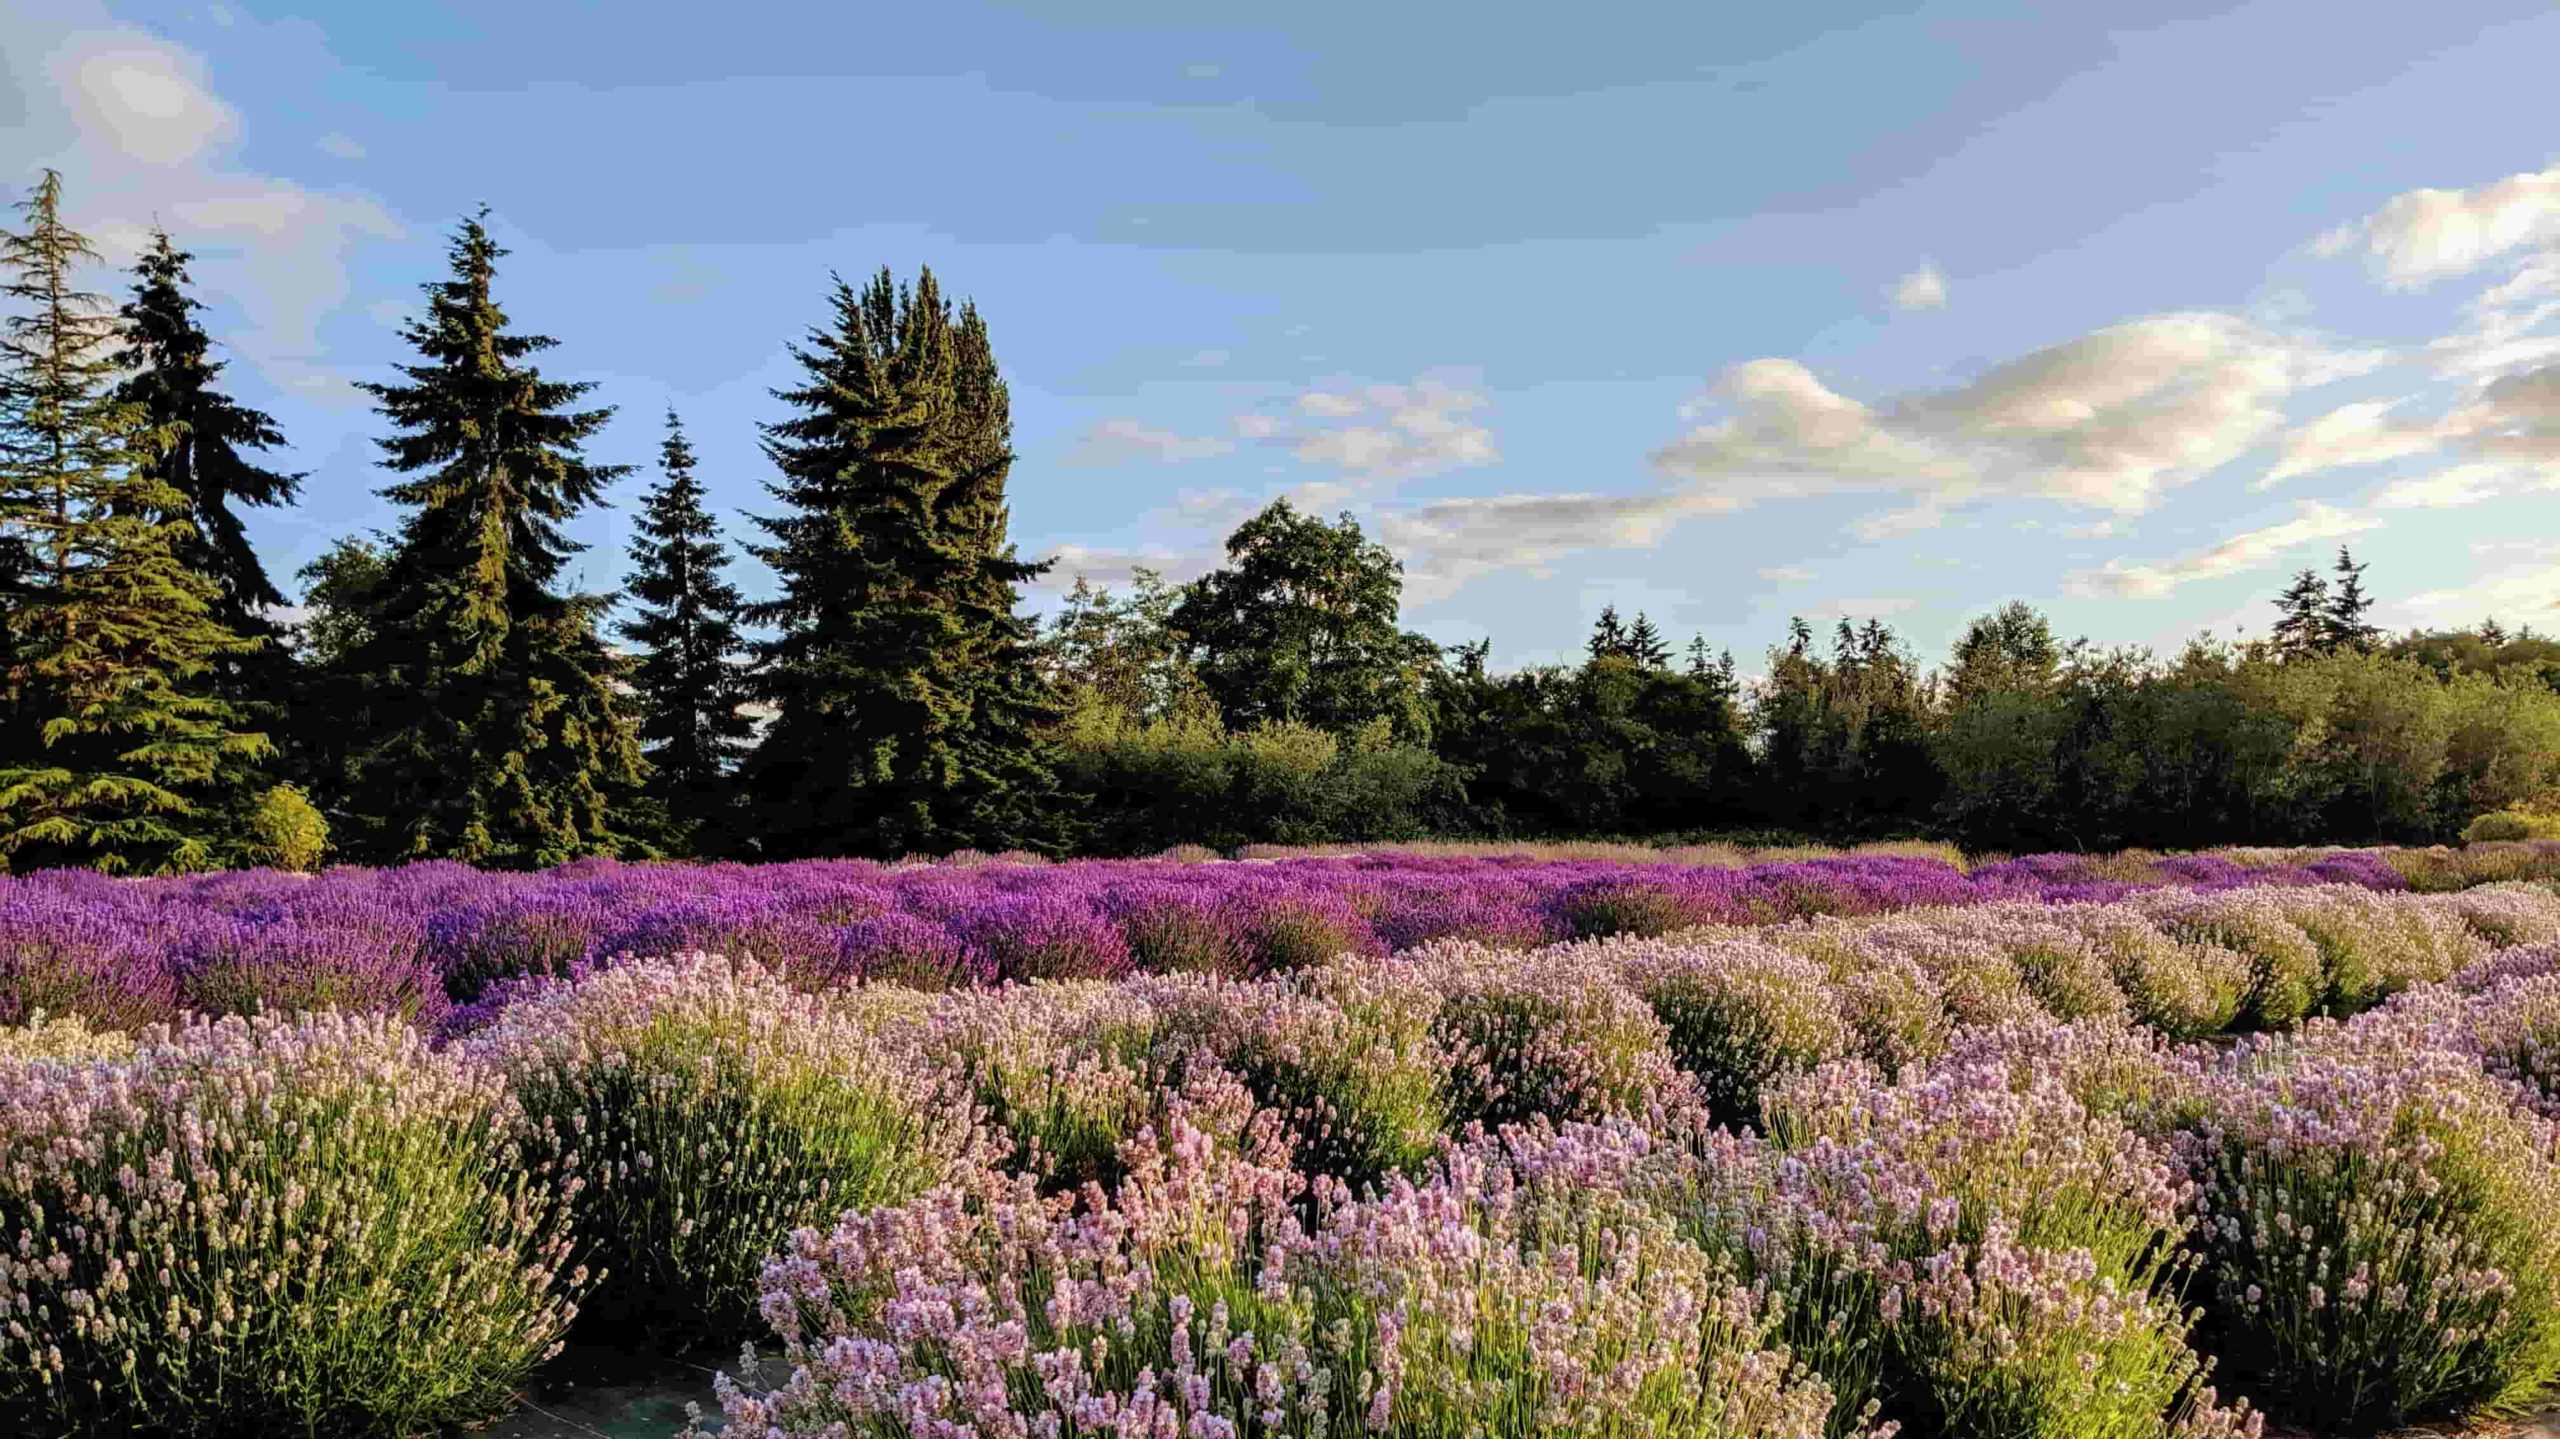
2503	439
141	137
1922	289
1126	441
2312	523
345	147
2106	421
1446	543
1787	574
2363	433
140	97
2425	235
1384	433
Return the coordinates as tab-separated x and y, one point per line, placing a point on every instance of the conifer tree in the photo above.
687	678
491	730
2302	626
900	700
1644	644
1608	636
173	382
2347	627
117	754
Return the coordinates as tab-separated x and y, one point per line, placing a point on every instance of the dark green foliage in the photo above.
1610	747
906	709
482	699
2347	626
116	752
2009	651
205	432
687	679
2302	620
1301	625
1608	635
1844	740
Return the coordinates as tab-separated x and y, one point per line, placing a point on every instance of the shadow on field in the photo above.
600	1392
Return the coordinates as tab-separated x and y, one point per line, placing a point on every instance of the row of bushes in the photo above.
325	1225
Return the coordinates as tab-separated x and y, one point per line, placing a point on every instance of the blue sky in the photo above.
1814	309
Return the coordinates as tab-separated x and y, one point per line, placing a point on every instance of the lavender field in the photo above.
1421	1145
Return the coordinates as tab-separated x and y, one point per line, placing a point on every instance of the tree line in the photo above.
445	693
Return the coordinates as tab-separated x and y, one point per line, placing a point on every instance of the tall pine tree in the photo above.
490	725
902	693
117	754
2302	624
1646	646
205	432
2347	626
687	678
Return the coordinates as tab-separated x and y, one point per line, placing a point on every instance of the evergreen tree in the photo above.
687	677
1645	645
901	699
173	382
1608	636
117	754
489	725
2347	627
2302	626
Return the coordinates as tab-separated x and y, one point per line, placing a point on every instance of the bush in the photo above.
2286	977
257	1226
1351	1066
1067	1072
286	831
1739	1014
717	1109
1140	1309
2019	1343
2511	824
2382	1234
2183	989
1544	1037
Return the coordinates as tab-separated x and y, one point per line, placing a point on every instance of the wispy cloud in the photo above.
133	121
2312	523
2425	235
1122	441
2109	421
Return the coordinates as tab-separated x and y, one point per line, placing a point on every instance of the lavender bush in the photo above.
260	1226
712	1109
2382	1234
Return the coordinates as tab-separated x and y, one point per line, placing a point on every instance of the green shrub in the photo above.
1543	1038
2382	1235
1740	1014
255	1226
2286	976
2511	824
717	1109
1349	1063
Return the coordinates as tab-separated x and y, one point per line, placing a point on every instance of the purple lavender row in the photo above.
421	939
